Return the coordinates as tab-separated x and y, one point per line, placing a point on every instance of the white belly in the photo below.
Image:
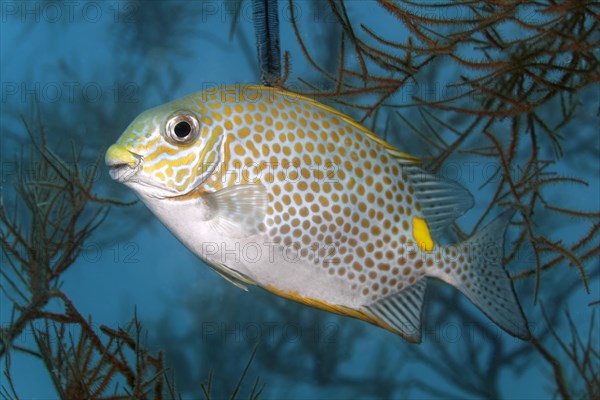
257	257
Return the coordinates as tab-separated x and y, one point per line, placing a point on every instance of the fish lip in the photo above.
122	163
123	171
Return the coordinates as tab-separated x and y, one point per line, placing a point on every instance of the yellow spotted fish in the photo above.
274	189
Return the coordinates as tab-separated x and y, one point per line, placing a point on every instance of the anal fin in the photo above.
401	313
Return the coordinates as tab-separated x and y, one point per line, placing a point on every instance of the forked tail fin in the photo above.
483	279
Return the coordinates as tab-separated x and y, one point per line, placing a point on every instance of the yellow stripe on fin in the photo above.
367	315
394	152
320	304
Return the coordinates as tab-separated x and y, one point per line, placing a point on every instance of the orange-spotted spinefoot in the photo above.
274	189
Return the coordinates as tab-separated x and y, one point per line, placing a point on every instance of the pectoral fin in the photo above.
239	211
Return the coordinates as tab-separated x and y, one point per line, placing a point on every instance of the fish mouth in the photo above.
124	166
122	163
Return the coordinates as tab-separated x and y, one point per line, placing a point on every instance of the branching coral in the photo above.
521	69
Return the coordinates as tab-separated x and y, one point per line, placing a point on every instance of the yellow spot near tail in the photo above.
421	234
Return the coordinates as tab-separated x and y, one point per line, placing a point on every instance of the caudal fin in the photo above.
486	283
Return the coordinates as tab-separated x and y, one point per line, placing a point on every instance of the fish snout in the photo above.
122	162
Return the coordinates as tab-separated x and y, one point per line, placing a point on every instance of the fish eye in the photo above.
182	127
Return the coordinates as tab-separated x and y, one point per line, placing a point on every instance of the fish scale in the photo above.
352	219
326	199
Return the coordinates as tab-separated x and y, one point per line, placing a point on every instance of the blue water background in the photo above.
53	48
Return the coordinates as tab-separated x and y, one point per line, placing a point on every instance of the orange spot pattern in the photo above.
336	196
